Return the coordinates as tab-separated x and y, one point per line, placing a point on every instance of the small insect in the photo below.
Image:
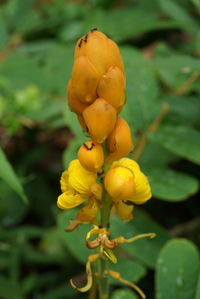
93	29
85	38
88	148
128	203
80	43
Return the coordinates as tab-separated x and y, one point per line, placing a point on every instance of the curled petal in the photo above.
143	189
80	179
68	200
124	211
88	213
120	183
64	181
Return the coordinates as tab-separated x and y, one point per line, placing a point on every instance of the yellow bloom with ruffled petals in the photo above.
78	185
131	179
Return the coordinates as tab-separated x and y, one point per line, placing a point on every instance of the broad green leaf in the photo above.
8	175
197	294
142	89
180	140
123	294
3	33
147	160
177	270
129	269
21	70
133	21
175	69
171	185
182	110
145	250
178	13
74	241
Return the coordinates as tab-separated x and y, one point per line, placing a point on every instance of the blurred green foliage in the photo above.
160	44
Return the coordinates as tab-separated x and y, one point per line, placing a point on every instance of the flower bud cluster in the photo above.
96	94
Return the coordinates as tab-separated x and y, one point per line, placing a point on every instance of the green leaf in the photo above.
3	33
9	288
123	294
175	69
145	250
178	13
75	240
128	269
182	110
177	270
180	140
171	185
142	89
133	21
8	175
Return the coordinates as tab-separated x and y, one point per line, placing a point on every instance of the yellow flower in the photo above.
78	185
125	182
91	156
111	87
100	118
119	142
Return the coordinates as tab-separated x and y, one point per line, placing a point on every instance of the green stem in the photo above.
105	216
103	280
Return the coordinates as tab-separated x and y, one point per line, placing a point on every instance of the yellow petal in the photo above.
91	156
80	179
119	142
88	213
143	189
64	181
84	80
100	118
120	183
111	87
124	211
68	200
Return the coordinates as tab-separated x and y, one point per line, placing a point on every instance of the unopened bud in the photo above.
119	142
84	80
74	104
119	182
111	87
91	156
100	118
101	51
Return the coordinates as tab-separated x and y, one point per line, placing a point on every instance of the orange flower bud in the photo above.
119	182
74	104
84	80
111	87
91	156
119	141
100	50
100	118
